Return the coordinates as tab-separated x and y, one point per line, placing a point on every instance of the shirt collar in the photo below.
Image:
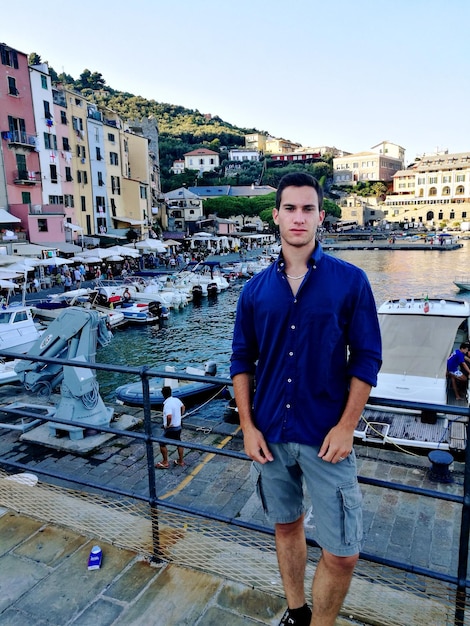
312	262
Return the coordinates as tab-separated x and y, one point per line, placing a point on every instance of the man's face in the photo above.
298	216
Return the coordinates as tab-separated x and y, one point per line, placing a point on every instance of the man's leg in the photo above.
164	451
330	586
291	550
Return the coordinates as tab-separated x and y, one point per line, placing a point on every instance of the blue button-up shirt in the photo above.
304	349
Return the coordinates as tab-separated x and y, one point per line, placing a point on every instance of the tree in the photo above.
34	59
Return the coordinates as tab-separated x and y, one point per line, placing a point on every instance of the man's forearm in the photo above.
243	390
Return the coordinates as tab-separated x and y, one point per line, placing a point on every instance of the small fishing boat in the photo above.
189	392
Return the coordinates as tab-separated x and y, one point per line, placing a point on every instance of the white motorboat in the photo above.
51	308
462	282
418	337
18	332
205	278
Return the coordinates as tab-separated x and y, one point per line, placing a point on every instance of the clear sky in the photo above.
343	73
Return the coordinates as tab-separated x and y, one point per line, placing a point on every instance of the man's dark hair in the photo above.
166	391
299	179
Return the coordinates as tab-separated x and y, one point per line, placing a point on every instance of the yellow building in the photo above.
280	146
434	191
80	162
256	141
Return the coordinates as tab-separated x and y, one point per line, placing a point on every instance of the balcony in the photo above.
19	138
23	177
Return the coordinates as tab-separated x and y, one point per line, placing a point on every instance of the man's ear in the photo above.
275	216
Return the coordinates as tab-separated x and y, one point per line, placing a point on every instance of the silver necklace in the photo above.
296	277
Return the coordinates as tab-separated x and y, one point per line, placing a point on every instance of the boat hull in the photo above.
189	393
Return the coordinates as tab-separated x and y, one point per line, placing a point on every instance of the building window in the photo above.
433	191
98	153
50	141
143	192
47	110
65	144
83	203
433	180
63	117
8	56
100	179
459	191
446	191
56	199
12	89
111	137
68	200
115	185
113	158
53	171
43	82
460	178
68	174
42	225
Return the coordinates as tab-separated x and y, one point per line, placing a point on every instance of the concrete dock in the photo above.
43	564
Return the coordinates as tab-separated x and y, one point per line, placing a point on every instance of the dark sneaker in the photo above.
299	617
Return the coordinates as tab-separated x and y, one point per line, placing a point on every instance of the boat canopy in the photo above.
413	347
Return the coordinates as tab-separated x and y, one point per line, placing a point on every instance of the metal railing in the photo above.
457	584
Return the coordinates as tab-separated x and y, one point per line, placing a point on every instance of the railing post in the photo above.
460	596
150	465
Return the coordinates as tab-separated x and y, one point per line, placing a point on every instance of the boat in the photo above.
110	299
52	307
18	331
462	282
418	336
189	392
205	278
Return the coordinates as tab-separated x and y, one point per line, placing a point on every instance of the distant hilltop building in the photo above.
434	190
202	160
378	164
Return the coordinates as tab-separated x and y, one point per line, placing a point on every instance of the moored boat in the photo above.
462	282
18	332
189	392
418	336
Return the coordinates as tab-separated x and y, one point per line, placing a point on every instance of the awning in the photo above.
8	218
73	227
130	220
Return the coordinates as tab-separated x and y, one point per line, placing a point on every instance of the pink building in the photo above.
18	132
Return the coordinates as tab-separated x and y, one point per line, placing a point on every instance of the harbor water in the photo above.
201	332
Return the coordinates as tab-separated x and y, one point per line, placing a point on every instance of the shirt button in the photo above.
289	380
291	354
293	327
287	406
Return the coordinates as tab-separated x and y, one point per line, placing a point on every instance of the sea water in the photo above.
202	332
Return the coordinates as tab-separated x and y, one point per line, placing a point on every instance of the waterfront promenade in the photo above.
43	574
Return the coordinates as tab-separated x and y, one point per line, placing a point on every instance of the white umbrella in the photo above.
54	260
115	257
8	284
123	251
7	274
150	244
91	259
101	253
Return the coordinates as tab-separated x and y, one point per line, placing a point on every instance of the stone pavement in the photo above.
43	568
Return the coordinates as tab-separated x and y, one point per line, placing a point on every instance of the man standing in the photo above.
307	337
173	410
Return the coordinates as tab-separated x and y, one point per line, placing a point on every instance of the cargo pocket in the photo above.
255	475
351	497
